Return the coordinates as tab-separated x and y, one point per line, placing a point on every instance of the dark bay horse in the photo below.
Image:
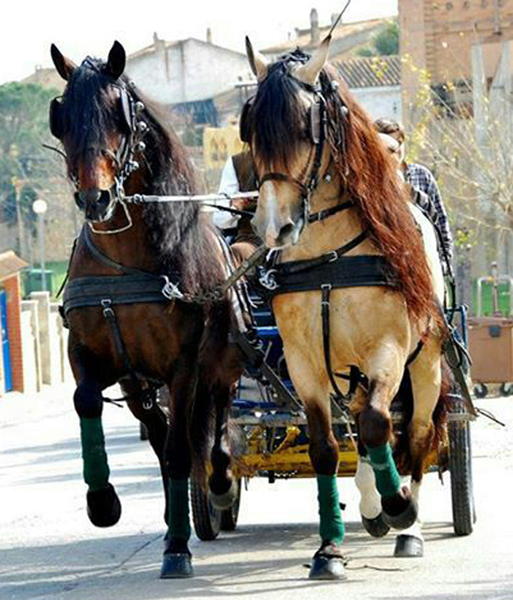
363	291
122	328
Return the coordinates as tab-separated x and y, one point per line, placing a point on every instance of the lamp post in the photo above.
40	207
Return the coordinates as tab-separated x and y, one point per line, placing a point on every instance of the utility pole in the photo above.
496	17
18	185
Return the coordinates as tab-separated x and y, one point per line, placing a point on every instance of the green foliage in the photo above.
385	43
23	129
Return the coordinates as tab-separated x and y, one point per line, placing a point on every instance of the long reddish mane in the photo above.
278	120
371	179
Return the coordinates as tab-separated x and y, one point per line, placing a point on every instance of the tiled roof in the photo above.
375	71
10	264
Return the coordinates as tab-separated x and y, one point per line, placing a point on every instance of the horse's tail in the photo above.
201	428
404	402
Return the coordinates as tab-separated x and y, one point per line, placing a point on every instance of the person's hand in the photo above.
244	203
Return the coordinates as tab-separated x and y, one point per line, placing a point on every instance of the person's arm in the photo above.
443	220
229	184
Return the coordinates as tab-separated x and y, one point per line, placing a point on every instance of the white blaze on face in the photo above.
271	223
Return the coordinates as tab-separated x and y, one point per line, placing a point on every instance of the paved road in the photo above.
48	549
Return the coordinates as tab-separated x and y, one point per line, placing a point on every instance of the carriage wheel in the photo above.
230	516
460	465
206	518
506	389
480	390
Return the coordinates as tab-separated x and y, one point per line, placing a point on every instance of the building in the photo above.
376	84
11	352
437	36
347	38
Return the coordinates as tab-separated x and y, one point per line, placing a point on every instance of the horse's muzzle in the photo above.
96	204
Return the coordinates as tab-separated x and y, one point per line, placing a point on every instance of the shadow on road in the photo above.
254	560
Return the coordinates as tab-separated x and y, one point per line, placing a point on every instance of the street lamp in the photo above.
40	207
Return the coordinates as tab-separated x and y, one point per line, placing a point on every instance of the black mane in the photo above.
176	231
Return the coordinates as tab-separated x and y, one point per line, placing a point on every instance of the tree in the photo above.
385	43
23	162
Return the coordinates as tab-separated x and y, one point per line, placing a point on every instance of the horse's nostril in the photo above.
104	198
286	230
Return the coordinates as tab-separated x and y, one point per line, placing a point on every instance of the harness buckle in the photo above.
268	281
333	256
107	307
170	289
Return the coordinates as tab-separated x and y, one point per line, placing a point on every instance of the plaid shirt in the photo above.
421	178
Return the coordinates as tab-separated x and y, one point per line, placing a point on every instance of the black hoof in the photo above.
376	527
176	566
226	500
400	511
327	567
328	563
408	546
103	507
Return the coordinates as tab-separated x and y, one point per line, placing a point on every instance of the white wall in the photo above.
380	101
187	71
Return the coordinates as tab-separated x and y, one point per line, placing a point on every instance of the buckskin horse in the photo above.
128	321
355	290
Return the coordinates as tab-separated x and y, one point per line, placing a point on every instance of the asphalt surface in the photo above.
48	548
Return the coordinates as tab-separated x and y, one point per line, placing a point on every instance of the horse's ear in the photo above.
64	66
309	72
259	64
116	62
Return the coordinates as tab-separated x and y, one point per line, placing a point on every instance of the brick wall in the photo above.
12	287
438	35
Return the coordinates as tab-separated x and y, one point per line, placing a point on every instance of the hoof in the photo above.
327	568
328	563
408	546
103	507
376	527
176	566
400	511
226	500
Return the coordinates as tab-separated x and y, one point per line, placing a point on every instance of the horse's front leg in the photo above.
327	562
103	505
385	372
426	380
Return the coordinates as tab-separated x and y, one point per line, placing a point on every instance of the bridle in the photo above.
318	136
124	157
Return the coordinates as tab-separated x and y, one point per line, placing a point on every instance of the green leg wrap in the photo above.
96	467
179	523
331	524
388	480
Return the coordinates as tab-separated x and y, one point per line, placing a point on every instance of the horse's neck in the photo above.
334	231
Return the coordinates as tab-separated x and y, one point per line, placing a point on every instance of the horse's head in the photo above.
285	125
95	120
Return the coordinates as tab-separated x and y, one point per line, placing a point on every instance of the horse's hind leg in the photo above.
155	421
375	430
426	385
103	505
223	489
